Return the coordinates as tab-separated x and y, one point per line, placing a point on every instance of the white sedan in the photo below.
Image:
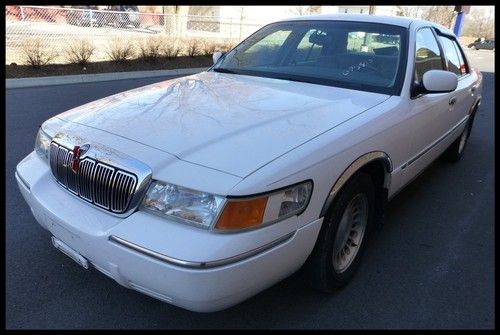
205	190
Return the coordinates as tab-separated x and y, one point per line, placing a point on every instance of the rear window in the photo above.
452	59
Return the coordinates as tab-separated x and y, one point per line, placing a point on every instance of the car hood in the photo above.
232	123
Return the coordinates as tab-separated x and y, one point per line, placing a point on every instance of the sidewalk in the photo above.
90	78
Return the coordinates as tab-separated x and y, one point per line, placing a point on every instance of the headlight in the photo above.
42	143
198	208
211	211
265	209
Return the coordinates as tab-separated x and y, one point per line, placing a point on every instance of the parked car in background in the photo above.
129	16
85	16
203	191
482	44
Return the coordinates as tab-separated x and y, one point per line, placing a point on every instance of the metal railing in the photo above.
55	28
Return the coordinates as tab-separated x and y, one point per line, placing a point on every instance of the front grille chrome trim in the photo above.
107	187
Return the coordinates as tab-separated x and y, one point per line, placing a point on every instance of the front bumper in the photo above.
239	265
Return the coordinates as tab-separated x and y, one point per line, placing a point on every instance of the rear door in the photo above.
464	94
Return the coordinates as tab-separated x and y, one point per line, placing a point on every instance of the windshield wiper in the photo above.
223	70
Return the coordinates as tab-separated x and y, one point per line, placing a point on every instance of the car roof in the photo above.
394	20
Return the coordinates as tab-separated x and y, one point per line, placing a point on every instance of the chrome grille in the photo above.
96	182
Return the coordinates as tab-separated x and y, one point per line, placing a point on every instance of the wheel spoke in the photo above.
347	250
350	232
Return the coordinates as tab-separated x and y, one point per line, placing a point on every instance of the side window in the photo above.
427	56
464	69
451	55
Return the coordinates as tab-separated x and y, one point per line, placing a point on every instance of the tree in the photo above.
306	10
409	11
479	23
442	15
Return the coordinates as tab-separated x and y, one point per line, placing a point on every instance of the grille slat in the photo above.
61	166
102	185
121	193
98	183
118	186
54	148
70	176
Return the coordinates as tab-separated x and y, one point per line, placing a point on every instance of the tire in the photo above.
326	268
456	150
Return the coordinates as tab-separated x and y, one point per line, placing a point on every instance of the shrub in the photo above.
37	53
151	48
225	45
119	50
193	47
171	48
208	48
79	52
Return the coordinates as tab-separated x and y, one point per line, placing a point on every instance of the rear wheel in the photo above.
338	250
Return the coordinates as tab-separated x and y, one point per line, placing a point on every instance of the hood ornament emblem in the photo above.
78	151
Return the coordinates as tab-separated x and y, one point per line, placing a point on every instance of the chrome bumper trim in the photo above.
23	181
200	265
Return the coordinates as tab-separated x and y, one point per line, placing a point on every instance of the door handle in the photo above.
452	101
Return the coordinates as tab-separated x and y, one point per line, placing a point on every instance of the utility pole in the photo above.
242	9
461	10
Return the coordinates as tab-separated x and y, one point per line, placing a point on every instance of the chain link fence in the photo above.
54	31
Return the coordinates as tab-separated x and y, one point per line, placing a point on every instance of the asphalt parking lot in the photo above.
431	265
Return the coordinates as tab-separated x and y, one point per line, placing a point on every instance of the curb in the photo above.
91	78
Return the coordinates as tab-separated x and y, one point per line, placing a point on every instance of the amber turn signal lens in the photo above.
242	214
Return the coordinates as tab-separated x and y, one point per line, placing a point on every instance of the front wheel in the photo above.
337	253
456	150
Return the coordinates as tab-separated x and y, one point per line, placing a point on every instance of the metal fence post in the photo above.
241	26
22	12
231	29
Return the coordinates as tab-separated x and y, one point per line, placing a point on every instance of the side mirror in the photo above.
439	81
217	55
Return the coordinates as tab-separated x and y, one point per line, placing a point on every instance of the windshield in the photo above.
357	55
